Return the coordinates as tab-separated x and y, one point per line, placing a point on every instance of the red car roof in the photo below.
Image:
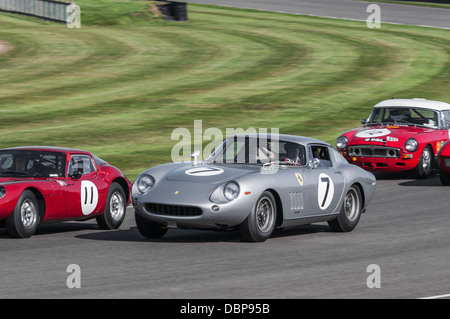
49	149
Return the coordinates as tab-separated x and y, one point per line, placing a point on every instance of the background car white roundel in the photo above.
89	197
373	133
325	191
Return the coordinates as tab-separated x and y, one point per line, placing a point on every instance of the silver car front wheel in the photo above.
260	224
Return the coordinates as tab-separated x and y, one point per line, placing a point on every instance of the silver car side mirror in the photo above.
195	155
314	163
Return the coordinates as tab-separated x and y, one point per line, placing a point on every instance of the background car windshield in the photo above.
247	150
32	163
413	116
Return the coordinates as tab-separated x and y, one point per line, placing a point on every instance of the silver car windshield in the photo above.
405	116
258	151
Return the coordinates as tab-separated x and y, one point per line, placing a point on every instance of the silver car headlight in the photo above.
225	193
341	142
145	183
411	145
231	191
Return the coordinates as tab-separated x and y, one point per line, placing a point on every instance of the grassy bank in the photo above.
119	89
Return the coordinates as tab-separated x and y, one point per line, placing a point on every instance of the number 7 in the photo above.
327	180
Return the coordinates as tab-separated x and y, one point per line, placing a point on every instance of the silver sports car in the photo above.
254	183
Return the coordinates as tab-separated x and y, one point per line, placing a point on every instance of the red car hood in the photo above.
10	180
385	134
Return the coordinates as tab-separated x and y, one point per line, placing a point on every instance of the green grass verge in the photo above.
120	89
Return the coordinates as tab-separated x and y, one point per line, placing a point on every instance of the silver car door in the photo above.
325	183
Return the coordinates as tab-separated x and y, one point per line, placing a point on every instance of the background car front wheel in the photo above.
260	224
423	169
350	212
23	222
115	209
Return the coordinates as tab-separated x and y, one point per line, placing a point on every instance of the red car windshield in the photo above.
30	163
405	116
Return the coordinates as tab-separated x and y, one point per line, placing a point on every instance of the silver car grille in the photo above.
172	210
373	151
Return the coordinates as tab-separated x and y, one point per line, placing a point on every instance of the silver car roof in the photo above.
283	137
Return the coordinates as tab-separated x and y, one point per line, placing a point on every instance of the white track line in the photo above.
437	297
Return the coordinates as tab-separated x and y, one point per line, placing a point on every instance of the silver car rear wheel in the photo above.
350	212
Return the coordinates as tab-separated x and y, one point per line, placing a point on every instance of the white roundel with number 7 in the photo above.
325	191
89	197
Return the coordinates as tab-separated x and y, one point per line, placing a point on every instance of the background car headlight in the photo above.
2	191
341	142
231	191
145	183
446	162
411	145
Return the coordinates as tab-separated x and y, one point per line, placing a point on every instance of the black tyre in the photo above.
115	209
149	229
423	168
24	220
350	212
444	177
259	225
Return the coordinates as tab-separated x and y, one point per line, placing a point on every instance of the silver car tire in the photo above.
24	220
350	212
259	225
115	208
149	229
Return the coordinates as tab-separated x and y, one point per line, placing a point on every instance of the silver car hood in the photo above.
209	174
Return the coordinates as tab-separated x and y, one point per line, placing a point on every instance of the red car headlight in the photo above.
411	145
341	142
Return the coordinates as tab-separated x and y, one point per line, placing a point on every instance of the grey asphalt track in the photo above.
404	232
346	9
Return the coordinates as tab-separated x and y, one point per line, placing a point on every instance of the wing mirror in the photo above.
76	175
314	163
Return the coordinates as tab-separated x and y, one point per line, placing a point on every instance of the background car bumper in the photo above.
381	164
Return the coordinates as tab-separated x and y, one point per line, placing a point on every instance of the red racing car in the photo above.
444	164
50	184
399	135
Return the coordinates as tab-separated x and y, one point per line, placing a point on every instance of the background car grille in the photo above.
172	210
374	151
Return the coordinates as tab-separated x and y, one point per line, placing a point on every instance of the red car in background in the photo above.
50	184
399	135
444	164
